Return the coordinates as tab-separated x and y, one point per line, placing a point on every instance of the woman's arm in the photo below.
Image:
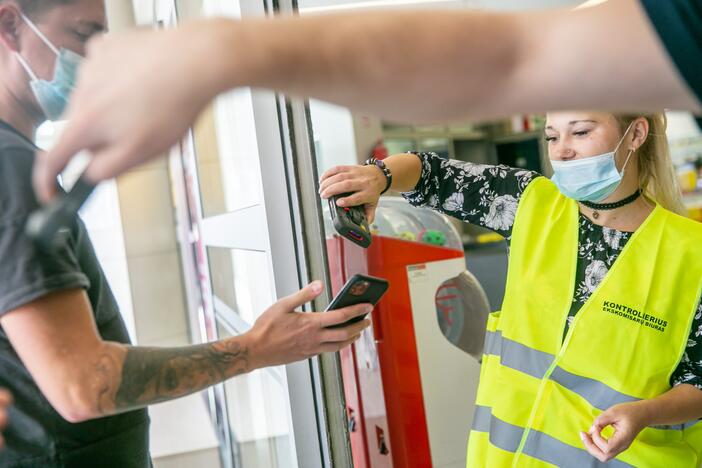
406	171
480	194
368	182
679	405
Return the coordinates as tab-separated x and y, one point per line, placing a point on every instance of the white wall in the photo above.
682	125
334	137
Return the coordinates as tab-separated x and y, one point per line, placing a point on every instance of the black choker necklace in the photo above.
597	207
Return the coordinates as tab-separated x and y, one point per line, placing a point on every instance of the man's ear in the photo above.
10	21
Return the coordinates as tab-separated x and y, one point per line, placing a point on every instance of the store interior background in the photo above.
134	224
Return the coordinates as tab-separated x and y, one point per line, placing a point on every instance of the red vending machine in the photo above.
409	388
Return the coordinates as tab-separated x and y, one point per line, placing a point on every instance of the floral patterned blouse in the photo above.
488	196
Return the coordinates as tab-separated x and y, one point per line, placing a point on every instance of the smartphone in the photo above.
360	289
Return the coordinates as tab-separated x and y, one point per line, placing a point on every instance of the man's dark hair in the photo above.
34	7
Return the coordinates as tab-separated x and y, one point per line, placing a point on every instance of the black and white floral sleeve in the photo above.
480	194
689	370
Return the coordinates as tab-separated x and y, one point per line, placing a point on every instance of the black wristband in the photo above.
386	172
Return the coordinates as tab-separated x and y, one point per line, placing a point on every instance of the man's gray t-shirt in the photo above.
36	434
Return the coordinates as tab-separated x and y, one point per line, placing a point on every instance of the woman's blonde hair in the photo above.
657	177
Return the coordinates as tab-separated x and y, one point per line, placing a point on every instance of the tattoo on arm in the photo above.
152	375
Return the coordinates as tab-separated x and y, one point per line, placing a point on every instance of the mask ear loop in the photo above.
44	39
41	35
26	66
631	151
628	157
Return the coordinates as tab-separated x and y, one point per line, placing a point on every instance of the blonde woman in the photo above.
596	355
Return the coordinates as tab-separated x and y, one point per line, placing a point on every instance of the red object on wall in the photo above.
397	438
380	151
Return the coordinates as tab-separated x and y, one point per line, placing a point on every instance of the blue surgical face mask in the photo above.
53	95
590	179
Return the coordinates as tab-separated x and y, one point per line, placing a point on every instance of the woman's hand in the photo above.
627	419
365	182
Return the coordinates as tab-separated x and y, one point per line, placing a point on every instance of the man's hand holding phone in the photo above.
282	335
359	289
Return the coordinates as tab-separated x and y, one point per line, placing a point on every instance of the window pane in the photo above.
225	136
229	174
241	283
259	416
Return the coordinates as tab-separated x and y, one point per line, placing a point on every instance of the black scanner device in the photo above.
49	226
350	221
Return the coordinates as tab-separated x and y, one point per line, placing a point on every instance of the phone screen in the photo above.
360	289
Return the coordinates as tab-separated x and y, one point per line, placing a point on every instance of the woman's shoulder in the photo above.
683	223
686	231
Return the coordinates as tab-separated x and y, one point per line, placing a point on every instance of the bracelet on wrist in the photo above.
386	172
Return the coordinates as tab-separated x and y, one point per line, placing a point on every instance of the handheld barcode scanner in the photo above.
350	222
49	226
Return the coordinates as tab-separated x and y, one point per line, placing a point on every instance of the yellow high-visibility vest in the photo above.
538	390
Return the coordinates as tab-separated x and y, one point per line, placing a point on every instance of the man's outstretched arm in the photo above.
407	66
84	377
428	66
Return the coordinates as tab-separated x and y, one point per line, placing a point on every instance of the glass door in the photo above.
238	241
335	136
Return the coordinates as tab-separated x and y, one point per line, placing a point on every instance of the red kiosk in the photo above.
409	391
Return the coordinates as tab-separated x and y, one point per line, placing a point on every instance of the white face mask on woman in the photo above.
590	179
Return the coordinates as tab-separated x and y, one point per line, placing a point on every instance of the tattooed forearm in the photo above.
152	375
106	368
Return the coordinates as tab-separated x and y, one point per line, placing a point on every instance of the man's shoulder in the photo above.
12	140
17	153
16	162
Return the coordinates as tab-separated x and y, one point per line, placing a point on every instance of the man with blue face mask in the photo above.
40	64
52	95
41	44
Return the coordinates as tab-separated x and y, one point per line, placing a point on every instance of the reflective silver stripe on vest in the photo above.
517	356
502	434
599	395
493	343
538	445
535	363
481	418
551	450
